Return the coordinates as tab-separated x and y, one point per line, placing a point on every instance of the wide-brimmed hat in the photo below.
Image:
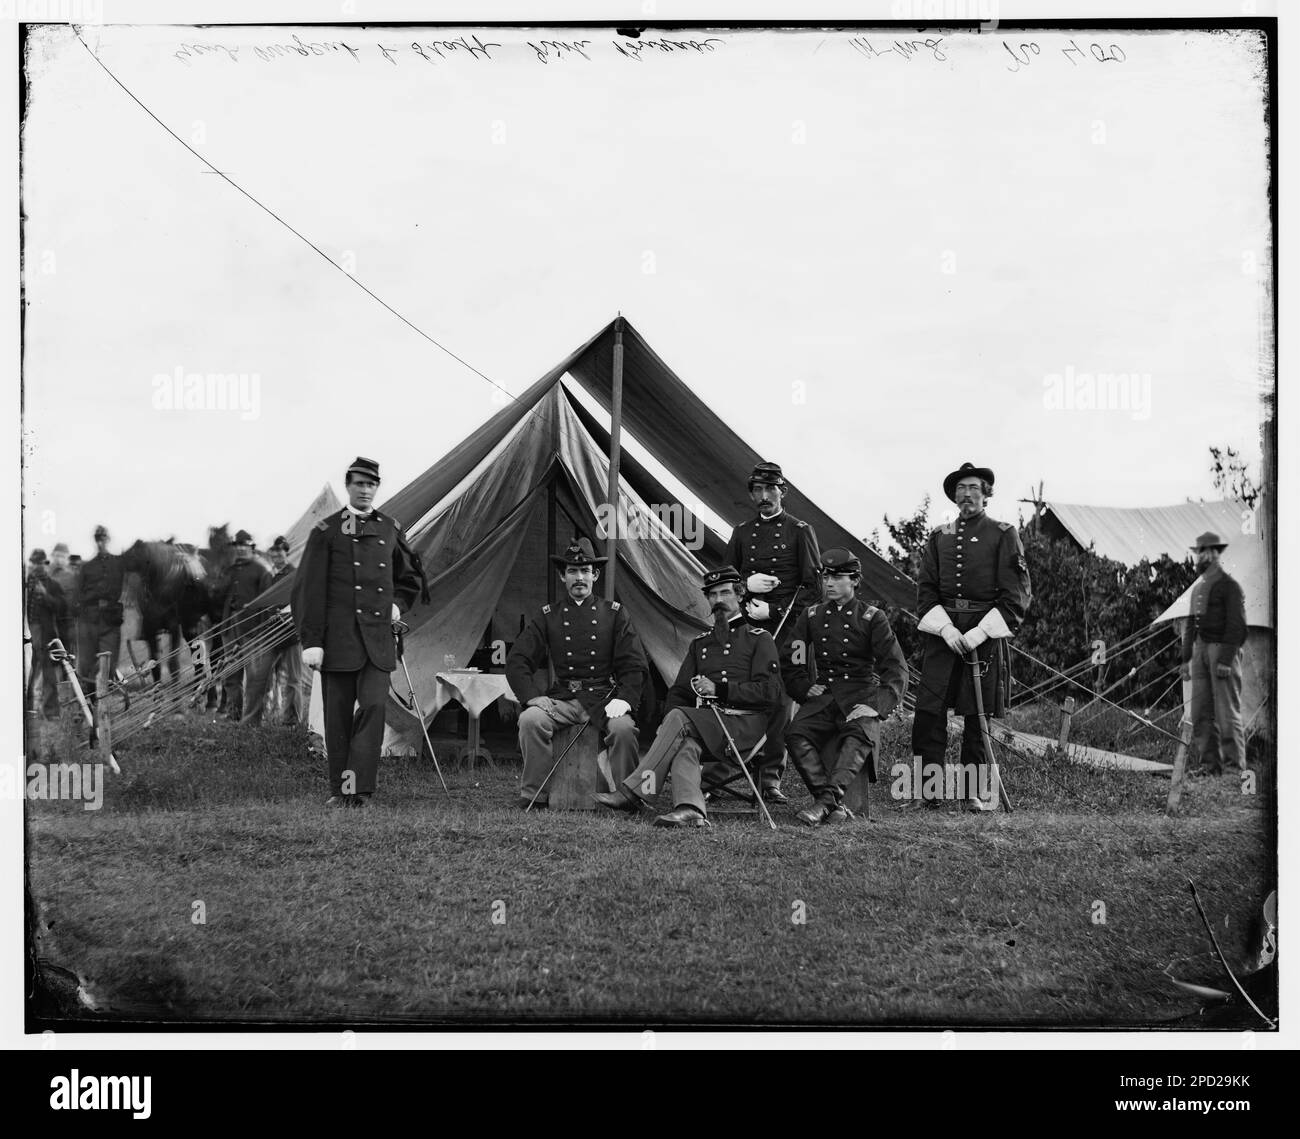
965	471
839	560
1210	541
720	576
767	474
578	553
366	468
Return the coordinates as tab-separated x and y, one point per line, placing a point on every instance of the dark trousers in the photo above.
94	637
853	743
50	673
352	742
930	730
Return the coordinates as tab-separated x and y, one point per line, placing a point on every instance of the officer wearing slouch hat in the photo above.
848	674
357	577
244	579
973	593
777	558
735	665
599	666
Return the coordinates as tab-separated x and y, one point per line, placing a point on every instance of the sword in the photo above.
60	655
398	630
556	765
974	662
731	743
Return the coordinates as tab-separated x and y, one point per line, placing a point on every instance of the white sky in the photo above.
799	202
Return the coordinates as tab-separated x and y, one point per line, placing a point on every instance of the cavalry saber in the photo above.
419	714
974	662
731	743
556	765
60	655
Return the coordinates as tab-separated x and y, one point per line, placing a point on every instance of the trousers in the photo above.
854	743
1217	730
537	730
676	751
354	727
94	637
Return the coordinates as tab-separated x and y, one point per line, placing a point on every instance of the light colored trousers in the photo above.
1216	707
537	729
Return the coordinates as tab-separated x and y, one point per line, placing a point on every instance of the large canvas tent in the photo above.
485	517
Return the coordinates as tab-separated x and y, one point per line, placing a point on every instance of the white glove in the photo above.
954	640
862	710
761	582
758	610
397	613
976	637
313	658
616	708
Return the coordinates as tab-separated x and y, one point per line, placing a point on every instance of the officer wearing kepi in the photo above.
599	667
973	593
99	613
848	674
734	665
356	578
778	561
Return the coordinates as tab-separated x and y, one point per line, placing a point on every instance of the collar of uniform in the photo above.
840	607
1213	572
353	510
772	518
972	519
735	618
571	604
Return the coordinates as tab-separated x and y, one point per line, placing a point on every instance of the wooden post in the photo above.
615	447
577	778
1180	769
1067	710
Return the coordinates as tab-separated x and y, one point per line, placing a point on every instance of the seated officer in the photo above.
735	668
848	674
599	668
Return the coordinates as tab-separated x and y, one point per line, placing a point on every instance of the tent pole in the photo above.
615	446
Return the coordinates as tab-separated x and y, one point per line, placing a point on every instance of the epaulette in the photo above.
1004	525
869	611
616	605
812	609
801	525
946	528
323	524
546	608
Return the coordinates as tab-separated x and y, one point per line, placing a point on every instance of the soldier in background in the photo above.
1212	641
46	611
99	614
68	578
286	659
245	578
778	561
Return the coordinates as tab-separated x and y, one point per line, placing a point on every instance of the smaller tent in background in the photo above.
1127	535
324	504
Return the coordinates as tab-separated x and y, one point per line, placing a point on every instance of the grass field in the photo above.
434	910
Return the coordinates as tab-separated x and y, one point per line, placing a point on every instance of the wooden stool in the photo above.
577	778
855	794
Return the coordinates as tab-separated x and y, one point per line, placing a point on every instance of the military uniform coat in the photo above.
747	674
100	593
241	582
588	648
850	649
354	568
969	567
786	548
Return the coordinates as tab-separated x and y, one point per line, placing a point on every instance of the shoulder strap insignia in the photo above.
947	528
1004	525
868	611
546	608
323	524
616	605
812	609
801	525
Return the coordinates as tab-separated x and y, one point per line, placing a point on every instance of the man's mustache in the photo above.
718	608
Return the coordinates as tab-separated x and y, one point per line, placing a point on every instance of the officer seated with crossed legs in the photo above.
735	668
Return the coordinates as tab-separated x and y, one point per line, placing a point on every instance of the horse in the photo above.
171	586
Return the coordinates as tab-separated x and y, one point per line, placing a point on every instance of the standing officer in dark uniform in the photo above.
734	665
285	672
357	577
46	612
99	613
244	580
68	580
590	645
848	674
973	593
777	559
